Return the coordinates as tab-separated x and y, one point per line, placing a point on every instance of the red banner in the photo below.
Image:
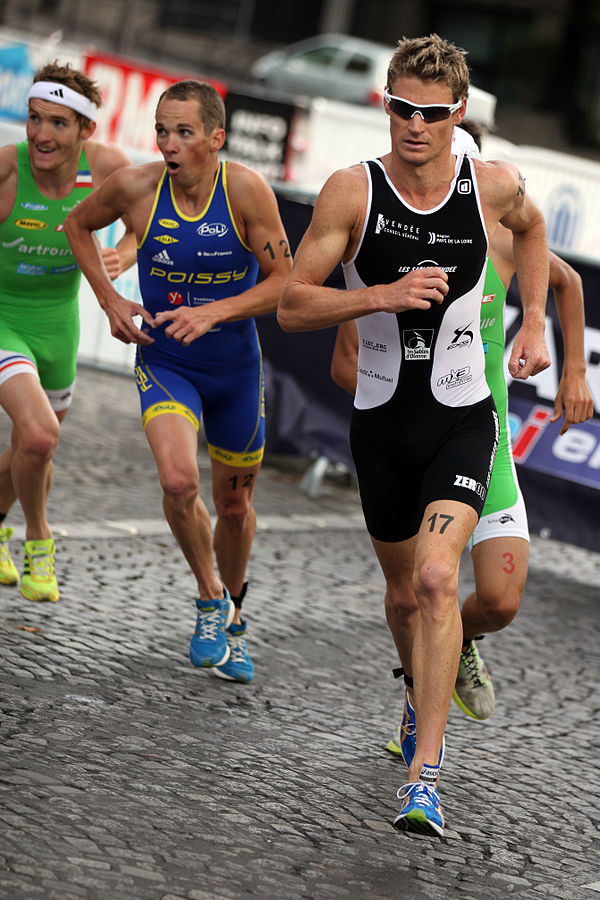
130	93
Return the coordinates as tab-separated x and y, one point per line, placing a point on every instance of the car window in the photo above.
358	63
320	56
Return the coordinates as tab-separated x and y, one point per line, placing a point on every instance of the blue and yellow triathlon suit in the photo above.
39	285
194	261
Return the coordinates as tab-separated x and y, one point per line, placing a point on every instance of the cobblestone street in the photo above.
125	773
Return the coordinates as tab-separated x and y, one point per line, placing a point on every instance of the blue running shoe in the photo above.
404	739
239	666
421	810
209	646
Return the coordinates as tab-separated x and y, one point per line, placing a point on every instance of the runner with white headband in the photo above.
64	96
41	180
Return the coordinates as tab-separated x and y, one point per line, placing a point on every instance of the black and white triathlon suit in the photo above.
424	425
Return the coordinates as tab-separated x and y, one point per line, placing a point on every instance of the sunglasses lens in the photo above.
429	114
436	114
402	109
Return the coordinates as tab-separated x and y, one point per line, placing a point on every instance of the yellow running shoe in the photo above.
8	570
38	581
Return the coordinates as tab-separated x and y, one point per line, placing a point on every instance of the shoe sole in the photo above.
52	598
467	711
10	583
418	822
225	677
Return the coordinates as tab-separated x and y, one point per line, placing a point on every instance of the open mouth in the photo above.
172	166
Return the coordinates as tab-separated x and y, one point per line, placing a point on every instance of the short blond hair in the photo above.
431	58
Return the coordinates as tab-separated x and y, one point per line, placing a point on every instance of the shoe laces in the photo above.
420	792
472	661
237	646
4	551
208	624
41	565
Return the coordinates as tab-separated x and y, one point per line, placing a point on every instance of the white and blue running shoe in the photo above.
209	645
239	666
421	810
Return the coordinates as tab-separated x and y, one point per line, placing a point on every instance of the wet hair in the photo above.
431	58
74	79
211	109
475	130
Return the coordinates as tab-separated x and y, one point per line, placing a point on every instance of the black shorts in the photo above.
402	466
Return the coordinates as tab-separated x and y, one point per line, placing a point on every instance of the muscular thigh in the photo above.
234	416
500	565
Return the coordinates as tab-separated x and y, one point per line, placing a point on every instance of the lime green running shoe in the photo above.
38	581
474	691
8	570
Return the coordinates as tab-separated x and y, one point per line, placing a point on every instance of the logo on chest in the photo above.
417	343
212	229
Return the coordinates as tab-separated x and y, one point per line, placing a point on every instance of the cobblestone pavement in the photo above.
125	773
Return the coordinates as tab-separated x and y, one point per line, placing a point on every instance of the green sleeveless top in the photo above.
36	263
502	491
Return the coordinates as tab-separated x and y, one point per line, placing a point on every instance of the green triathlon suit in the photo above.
504	510
39	285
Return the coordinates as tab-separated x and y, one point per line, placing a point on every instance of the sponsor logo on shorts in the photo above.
175	298
163	257
212	229
417	343
502	520
435	238
30	224
455	378
166	239
34	207
470	484
488	298
383	225
168	223
462	337
142	380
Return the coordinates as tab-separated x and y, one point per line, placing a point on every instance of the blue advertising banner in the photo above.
16	72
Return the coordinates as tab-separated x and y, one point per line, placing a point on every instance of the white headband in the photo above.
60	93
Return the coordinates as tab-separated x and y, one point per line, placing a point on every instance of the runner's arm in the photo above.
339	211
573	398
529	353
103	206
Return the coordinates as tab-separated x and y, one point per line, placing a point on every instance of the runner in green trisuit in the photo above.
41	180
